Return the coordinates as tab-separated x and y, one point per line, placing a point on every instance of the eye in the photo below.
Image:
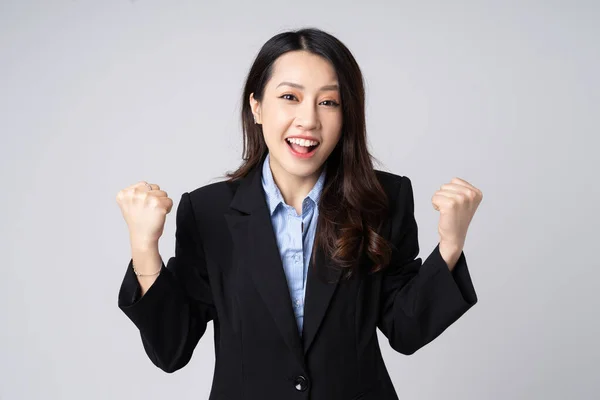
283	97
291	97
332	103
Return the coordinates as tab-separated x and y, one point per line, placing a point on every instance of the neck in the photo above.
293	188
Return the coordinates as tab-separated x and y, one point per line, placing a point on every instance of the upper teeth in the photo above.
302	142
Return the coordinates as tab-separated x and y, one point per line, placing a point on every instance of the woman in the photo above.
290	322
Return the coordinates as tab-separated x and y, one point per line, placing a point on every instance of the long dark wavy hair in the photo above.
353	204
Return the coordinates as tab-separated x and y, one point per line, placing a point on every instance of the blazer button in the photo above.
301	383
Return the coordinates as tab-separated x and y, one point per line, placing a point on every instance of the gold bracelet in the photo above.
138	274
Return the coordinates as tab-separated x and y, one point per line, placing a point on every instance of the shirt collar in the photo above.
274	197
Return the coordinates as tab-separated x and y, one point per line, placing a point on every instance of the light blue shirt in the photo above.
295	242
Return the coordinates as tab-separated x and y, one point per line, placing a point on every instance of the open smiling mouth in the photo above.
300	150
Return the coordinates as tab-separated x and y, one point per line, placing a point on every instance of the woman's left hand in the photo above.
457	202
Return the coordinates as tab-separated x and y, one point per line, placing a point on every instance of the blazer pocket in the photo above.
363	395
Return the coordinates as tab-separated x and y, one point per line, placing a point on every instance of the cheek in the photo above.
274	131
282	115
332	126
276	122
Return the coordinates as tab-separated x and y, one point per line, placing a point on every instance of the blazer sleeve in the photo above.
173	314
419	300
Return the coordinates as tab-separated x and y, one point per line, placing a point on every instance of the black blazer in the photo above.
227	269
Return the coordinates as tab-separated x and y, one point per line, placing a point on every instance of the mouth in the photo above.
302	151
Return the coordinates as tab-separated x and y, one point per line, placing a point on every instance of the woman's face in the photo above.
301	99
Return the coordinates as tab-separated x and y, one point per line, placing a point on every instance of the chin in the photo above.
304	171
296	166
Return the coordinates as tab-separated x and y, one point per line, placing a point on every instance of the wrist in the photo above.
452	246
143	246
146	262
450	253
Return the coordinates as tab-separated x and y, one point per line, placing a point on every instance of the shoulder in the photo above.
217	196
213	196
208	205
392	183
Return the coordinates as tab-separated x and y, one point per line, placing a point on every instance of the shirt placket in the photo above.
297	262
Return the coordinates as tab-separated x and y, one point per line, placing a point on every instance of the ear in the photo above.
255	106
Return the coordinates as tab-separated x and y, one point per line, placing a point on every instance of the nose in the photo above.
307	117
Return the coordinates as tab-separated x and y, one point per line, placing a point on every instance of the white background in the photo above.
98	95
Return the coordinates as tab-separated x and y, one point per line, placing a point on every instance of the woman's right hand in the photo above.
145	212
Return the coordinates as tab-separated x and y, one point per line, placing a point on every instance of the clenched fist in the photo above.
144	207
457	202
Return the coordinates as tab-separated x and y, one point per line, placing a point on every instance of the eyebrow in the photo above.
298	86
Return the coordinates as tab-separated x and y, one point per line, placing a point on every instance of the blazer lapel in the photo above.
253	233
322	280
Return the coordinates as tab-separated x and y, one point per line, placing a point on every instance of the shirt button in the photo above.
301	383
